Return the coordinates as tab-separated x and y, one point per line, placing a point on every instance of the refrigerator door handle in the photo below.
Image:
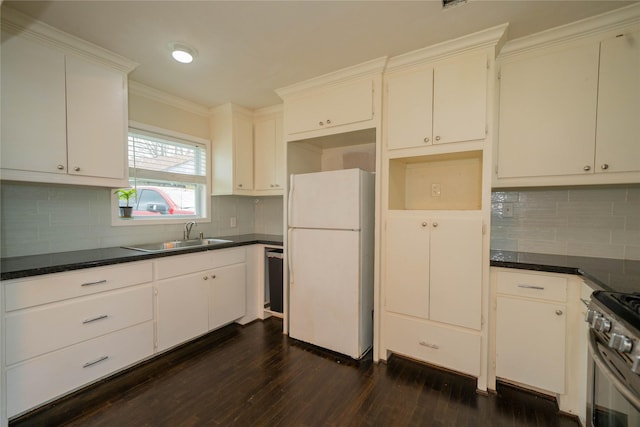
290	200
289	256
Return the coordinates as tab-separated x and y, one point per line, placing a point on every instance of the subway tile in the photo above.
572	234
598	251
626	237
597	222
603	194
631	209
633	193
632	252
504	244
536	196
536	209
633	223
504	196
583	208
542	247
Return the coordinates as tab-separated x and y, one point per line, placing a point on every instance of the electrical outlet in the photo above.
232	222
507	210
435	190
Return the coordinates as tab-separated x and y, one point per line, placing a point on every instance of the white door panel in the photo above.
324	289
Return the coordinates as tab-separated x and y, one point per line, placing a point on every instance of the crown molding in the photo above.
491	37
375	66
594	26
230	108
140	89
16	22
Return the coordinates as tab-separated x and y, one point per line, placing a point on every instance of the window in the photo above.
169	173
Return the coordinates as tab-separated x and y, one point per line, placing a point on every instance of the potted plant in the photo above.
125	194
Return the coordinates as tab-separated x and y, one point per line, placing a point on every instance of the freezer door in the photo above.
326	200
325	289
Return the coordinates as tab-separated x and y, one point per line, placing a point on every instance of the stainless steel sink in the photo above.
176	245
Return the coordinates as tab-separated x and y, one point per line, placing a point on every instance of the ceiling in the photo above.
246	49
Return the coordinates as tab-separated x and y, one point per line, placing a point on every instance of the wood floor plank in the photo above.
256	376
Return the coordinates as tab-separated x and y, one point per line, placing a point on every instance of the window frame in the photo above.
117	221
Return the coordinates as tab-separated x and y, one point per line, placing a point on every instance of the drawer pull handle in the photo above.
93	319
426	344
95	362
538	288
99	282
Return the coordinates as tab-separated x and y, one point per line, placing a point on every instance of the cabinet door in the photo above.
530	343
407	266
409	106
332	106
34	135
460	99
183	309
456	271
227	295
265	154
96	119
243	152
618	127
548	114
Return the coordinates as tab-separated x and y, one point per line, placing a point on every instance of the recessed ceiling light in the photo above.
182	53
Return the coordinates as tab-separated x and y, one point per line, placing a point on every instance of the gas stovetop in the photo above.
626	307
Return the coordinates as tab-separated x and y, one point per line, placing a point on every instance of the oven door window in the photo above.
611	408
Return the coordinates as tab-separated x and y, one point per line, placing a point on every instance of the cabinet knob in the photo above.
213	276
424	224
77	169
60	167
321	123
205	278
587	168
435	224
328	121
426	139
559	312
239	185
437	138
604	167
272	185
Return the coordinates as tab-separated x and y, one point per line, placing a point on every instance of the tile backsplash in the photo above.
40	218
582	221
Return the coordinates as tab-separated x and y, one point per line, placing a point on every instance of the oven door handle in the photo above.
604	369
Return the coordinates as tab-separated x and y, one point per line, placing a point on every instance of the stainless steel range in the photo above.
614	360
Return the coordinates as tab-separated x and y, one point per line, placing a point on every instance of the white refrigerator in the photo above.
330	257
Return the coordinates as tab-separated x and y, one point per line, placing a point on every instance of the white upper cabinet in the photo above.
569	102
343	101
548	113
231	150
330	107
440	103
64	107
618	123
268	156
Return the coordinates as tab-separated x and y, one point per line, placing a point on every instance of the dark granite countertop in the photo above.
35	265
601	273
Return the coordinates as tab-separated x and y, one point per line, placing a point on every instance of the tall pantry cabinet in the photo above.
438	127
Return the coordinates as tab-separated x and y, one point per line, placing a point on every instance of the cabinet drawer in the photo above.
547	287
44	378
440	346
191	263
23	293
39	330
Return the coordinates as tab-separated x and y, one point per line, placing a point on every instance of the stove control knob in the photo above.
636	365
621	343
601	324
589	317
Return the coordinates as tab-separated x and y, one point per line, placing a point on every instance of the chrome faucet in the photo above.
187	229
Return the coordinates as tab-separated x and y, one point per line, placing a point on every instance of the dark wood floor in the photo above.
256	376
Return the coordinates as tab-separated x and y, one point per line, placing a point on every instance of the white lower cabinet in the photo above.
198	293
65	330
43	378
442	346
531	329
